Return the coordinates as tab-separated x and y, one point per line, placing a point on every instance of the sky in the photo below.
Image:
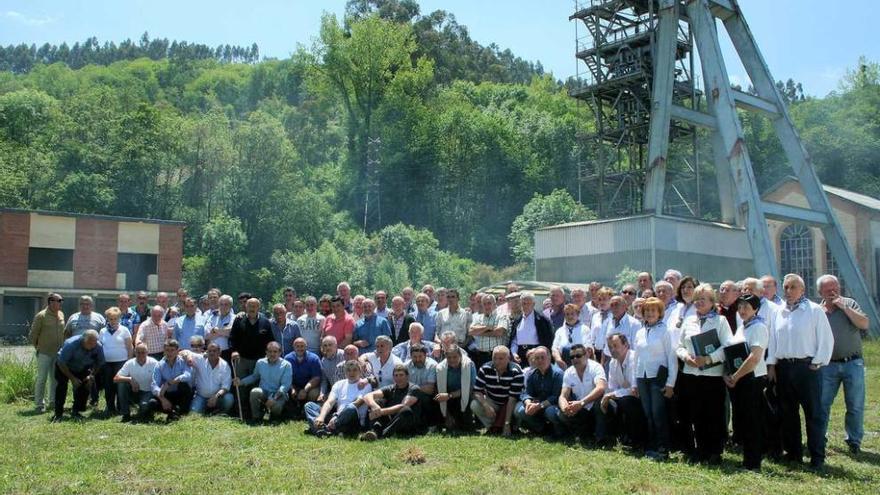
806	40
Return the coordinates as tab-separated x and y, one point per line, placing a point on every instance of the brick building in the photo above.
76	254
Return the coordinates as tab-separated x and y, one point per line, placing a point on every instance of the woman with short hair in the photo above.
116	341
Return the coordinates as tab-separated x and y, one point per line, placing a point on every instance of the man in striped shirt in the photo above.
496	391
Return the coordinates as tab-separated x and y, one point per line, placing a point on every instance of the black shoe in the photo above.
817	467
855	449
77	416
125	418
714	460
56	419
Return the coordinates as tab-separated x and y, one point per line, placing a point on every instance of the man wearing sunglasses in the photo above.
583	386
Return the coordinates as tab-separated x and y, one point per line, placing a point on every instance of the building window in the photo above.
50	259
831	267
796	254
136	268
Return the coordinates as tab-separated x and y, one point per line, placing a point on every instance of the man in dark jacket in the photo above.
530	330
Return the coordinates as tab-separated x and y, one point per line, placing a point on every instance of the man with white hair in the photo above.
673	277
331	357
310	325
343	290
219	325
751	285
488	329
213	380
399	321
381	361
154	332
801	343
530	330
78	362
402	350
666	293
556	311
847	367
85	319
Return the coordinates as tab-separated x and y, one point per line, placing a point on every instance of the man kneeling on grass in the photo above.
172	383
399	416
274	376
340	414
134	382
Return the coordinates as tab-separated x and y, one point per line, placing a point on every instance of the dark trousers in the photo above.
626	420
586	423
456	418
800	387
406	422
747	401
682	436
108	372
430	410
127	396
80	394
704	398
180	400
157	355
522	352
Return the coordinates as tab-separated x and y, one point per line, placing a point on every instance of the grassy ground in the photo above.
198	455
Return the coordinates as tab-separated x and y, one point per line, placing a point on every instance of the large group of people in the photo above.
656	366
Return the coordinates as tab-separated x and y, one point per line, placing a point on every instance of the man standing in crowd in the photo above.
273	378
555	313
771	290
331	358
172	383
311	325
154	332
645	282
381	299
399	321
47	336
134	383
189	324
847	367
249	337
454	318
370	327
426	317
219	325
284	329
339	324
530	330
85	319
142	309
78	362
343	291
128	317
404	349
727	302
801	343
488	329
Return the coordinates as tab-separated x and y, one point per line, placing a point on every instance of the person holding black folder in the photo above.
747	379
656	370
701	347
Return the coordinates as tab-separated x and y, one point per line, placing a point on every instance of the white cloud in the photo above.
28	20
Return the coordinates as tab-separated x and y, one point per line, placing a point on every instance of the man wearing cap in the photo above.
801	343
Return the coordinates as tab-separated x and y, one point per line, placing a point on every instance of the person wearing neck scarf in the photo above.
700	385
747	383
801	343
117	343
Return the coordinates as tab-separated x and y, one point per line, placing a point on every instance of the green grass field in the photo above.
219	455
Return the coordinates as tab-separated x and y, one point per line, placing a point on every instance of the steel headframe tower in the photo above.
740	199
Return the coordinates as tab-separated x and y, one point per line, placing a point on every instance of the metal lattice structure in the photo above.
617	55
640	82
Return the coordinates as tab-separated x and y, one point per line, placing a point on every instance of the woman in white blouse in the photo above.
116	342
748	382
656	369
700	383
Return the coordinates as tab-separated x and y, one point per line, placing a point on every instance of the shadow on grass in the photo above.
30	412
863	457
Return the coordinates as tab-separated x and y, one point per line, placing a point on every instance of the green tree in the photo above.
542	211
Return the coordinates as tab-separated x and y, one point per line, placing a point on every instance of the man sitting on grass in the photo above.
339	415
274	376
393	409
134	382
172	383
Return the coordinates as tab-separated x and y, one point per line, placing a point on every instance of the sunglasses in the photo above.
628	292
577	356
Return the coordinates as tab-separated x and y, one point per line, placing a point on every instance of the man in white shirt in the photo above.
620	322
601	319
339	415
133	381
583	386
213	379
801	342
623	410
382	362
453	318
666	293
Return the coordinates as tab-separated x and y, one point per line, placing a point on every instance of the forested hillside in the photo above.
266	160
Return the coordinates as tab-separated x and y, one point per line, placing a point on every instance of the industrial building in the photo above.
76	254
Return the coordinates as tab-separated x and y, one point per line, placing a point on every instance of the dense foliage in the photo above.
267	161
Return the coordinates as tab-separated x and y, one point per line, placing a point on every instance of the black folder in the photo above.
706	343
734	355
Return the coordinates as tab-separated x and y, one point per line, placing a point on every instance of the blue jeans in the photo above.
538	422
852	375
347	420
224	404
654	405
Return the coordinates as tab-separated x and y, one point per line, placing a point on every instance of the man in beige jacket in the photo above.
47	336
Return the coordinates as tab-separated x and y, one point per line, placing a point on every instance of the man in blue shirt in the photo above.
274	376
189	324
172	383
78	361
539	404
370	327
426	316
306	376
284	329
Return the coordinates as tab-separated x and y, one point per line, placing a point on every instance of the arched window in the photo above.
796	254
